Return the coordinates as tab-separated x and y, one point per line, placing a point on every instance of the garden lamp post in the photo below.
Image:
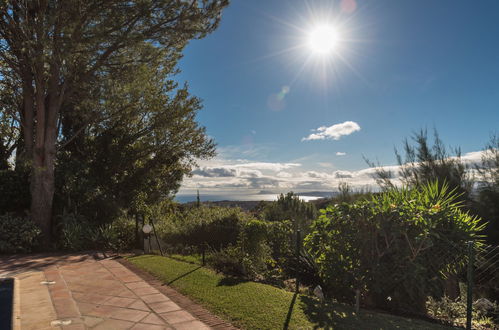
146	229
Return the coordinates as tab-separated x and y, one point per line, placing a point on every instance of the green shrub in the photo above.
76	233
216	227
291	207
256	253
79	234
396	248
305	268
454	312
228	261
249	257
17	234
281	238
14	191
118	235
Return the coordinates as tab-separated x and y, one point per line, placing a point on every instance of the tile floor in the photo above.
84	293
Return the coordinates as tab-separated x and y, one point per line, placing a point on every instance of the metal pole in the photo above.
147	244
156	235
298	247
357	301
150	246
137	238
141	233
469	300
203	246
203	253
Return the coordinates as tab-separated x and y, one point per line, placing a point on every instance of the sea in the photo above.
236	197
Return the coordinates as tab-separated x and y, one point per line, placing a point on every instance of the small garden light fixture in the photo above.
147	229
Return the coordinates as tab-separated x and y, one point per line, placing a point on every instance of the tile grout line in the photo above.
198	311
70	293
51	299
151	311
116	279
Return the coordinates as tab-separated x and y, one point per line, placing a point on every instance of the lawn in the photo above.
251	305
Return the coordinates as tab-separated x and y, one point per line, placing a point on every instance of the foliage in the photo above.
423	163
14	191
77	234
280	239
291	207
454	311
57	55
250	305
216	227
118	235
488	189
255	250
489	169
346	194
248	256
17	234
227	261
9	132
146	141
395	248
304	267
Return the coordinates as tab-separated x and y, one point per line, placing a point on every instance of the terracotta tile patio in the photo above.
80	292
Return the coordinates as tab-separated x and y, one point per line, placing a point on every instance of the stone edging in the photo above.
186	303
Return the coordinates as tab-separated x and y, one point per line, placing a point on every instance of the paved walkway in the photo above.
80	292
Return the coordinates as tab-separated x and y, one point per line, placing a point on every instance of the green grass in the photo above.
251	305
192	258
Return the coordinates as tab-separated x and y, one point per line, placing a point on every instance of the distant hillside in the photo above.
305	193
325	194
244	205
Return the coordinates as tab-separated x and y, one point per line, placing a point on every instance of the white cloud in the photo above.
472	158
318	175
268	166
334	132
227	177
342	174
339	153
221	176
325	164
283	174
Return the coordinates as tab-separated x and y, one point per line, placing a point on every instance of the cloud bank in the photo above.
222	176
334	132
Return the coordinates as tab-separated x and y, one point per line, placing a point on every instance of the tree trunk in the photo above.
42	193
43	157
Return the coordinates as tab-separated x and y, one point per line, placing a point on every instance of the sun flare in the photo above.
323	39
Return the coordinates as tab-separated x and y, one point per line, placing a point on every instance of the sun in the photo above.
323	39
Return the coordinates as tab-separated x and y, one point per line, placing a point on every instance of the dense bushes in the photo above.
235	243
216	227
77	234
14	191
395	248
291	207
17	234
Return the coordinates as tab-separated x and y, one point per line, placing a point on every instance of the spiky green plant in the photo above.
397	248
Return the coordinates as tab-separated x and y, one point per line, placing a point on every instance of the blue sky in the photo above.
399	66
